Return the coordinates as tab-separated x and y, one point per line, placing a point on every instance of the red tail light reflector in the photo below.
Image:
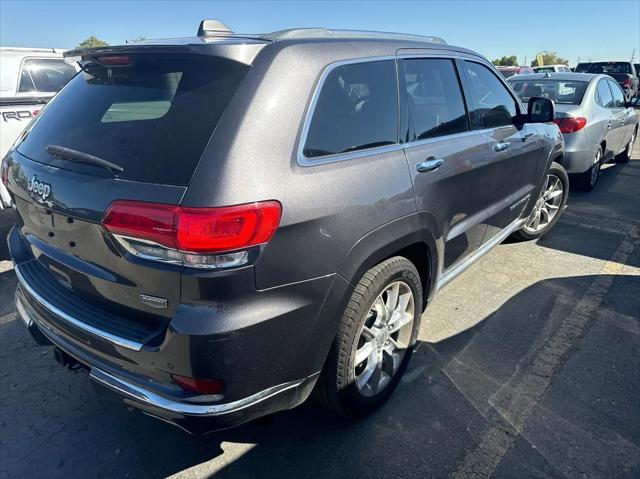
570	124
202	386
627	82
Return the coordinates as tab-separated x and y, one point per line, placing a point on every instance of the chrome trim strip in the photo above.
117	340
484	249
138	394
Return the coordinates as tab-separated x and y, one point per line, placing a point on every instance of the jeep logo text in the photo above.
39	188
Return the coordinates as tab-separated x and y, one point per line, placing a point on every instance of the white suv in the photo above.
29	77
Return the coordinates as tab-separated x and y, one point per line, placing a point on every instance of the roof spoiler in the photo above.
209	28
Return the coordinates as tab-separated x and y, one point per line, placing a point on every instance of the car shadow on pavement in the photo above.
447	399
442	407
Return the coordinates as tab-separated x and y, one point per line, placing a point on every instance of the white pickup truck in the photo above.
29	77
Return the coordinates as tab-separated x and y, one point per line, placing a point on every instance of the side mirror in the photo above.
540	110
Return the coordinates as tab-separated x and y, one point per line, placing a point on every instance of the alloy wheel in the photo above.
547	206
384	338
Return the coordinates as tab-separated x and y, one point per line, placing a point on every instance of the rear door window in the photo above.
435	106
153	116
604	97
618	96
493	105
44	75
357	109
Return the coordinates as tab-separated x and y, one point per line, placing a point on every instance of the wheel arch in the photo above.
411	236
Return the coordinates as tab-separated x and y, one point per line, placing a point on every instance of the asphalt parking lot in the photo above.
528	366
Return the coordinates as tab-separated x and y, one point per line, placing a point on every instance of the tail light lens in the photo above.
627	82
570	124
189	235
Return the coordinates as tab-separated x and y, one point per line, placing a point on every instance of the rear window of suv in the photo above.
357	109
153	117
610	67
566	92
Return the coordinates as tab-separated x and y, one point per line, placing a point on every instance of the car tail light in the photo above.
189	236
200	386
570	124
627	82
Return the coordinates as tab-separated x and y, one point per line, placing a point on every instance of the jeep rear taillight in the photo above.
197	237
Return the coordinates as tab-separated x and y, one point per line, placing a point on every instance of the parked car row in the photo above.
594	116
627	74
218	226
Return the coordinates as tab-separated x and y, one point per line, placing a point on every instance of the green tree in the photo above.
92	42
550	58
505	61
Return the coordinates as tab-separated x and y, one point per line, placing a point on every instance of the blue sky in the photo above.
597	29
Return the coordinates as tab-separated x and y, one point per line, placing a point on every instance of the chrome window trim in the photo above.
117	340
305	161
302	159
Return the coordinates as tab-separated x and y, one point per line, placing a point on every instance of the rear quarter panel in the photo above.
327	208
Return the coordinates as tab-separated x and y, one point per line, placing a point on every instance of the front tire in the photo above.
375	340
549	205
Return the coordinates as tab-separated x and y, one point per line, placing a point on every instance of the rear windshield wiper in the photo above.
74	155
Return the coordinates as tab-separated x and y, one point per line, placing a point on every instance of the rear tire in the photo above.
587	181
552	200
348	383
625	156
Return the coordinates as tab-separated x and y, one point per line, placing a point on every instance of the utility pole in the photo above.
633	55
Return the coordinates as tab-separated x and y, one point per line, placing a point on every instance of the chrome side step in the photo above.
479	253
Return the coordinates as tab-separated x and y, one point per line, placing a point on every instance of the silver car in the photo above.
597	123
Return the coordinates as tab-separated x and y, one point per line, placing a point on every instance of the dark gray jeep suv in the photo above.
217	226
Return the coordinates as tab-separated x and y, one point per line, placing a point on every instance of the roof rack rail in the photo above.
26	49
210	28
322	33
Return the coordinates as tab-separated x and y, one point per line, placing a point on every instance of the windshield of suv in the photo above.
152	115
610	67
562	92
